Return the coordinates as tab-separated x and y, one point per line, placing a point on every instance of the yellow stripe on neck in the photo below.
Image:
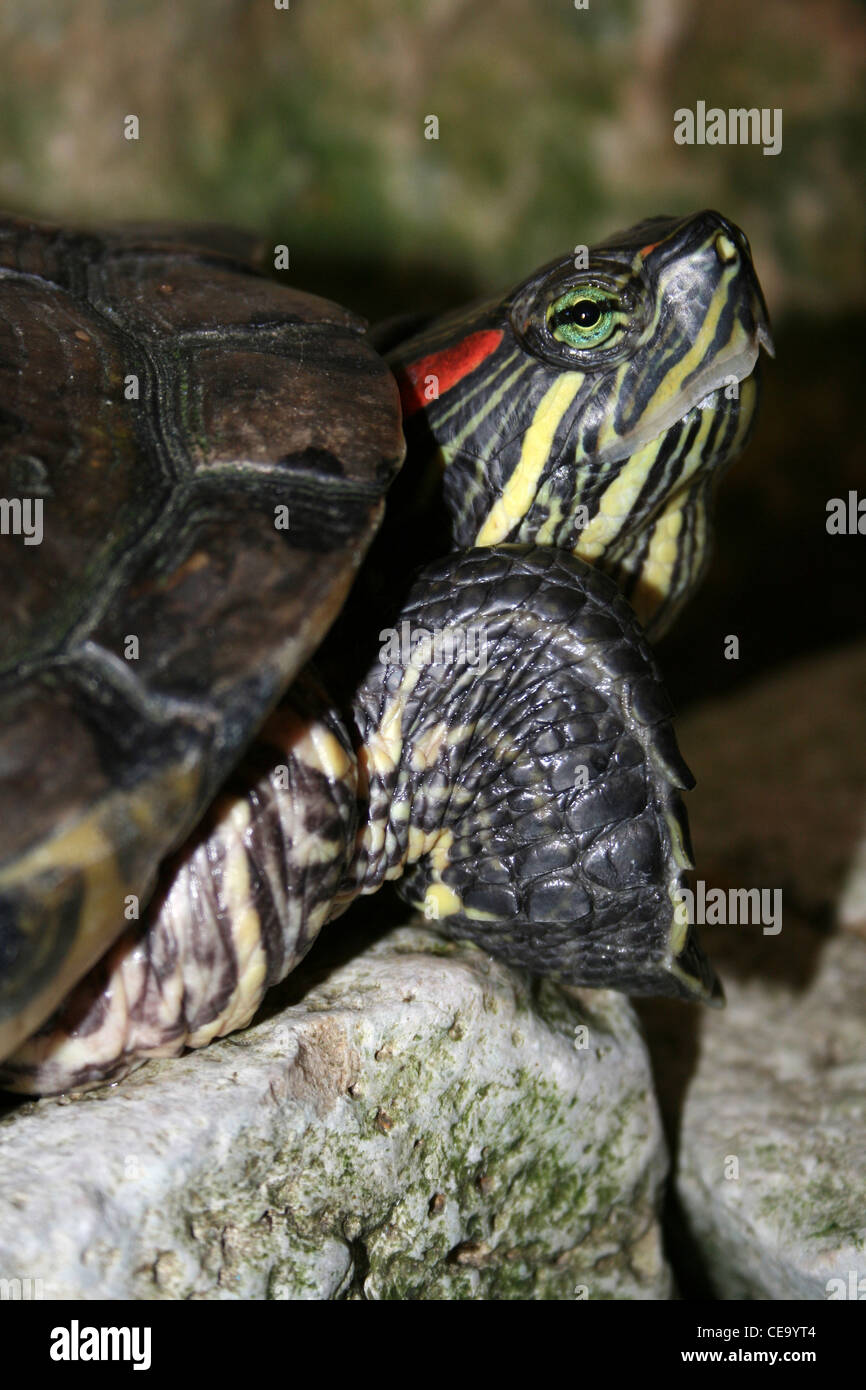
617	503
522	487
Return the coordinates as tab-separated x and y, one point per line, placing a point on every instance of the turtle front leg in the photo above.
523	776
516	769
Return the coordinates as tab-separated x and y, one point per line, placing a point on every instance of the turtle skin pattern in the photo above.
555	836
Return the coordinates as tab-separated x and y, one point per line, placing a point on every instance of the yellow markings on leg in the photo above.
330	755
679	929
441	901
520	491
682	858
427	748
245	926
380	754
696	987
435	843
307	739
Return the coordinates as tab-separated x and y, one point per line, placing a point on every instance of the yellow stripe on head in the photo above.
522	487
670	387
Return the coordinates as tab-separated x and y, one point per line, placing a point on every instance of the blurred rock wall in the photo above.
555	125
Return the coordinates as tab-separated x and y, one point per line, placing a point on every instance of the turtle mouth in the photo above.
701	392
703	389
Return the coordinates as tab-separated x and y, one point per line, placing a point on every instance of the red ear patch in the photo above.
449	366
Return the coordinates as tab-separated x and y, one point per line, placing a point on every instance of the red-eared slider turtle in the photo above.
194	463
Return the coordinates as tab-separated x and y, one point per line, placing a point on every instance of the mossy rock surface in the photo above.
423	1123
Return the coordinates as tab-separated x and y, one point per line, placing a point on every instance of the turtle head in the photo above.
594	407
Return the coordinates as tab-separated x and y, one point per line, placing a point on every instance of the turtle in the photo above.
293	607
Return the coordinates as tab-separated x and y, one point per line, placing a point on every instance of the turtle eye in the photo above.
584	317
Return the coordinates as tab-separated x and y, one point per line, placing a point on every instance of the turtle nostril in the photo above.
726	249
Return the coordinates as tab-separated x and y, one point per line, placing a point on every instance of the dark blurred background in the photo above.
555	126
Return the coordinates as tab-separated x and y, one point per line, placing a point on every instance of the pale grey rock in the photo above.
766	1100
421	1123
771	1173
852	903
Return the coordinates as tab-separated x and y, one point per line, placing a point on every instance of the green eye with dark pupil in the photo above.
586	313
583	317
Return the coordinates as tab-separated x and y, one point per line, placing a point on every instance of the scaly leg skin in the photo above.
534	810
516	769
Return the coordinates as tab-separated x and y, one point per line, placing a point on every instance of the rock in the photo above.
766	1100
852	902
421	1123
771	1172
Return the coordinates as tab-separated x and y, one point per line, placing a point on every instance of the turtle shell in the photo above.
193	461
